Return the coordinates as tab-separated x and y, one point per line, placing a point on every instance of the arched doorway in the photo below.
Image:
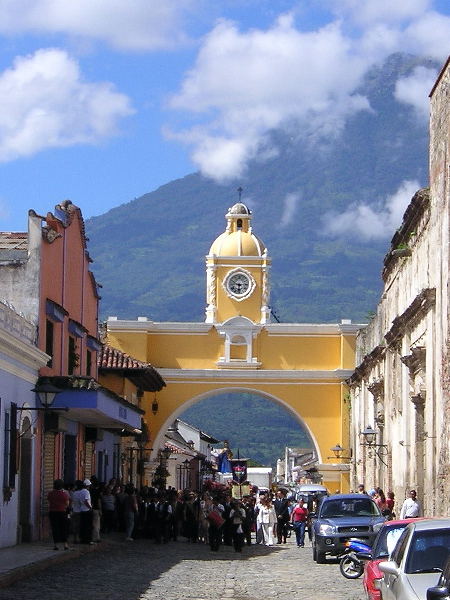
26	528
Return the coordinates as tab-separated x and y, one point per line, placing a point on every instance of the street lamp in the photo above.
46	393
165	454
337	451
187	473
370	436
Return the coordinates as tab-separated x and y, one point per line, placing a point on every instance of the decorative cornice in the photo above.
237	376
404	237
376	388
368	362
411	316
416	360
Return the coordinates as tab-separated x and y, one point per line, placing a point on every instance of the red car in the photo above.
382	547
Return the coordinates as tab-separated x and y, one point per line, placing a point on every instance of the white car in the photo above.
417	560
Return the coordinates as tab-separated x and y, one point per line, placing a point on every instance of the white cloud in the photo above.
415	89
290	205
245	83
428	36
370	12
371	222
253	82
45	104
125	24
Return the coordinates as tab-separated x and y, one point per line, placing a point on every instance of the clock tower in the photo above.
237	272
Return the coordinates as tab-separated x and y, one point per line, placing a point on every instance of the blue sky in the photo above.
105	100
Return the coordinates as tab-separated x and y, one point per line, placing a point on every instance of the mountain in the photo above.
149	253
264	443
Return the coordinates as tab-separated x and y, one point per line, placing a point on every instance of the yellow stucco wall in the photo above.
304	372
201	349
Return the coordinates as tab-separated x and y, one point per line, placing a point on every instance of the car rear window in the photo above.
349	508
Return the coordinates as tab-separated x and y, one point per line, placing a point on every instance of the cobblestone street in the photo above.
141	570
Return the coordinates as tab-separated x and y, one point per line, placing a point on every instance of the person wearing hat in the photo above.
82	504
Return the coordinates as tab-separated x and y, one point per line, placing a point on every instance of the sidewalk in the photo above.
24	560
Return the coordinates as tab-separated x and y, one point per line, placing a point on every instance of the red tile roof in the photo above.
141	374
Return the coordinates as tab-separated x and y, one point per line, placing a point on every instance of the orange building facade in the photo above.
45	275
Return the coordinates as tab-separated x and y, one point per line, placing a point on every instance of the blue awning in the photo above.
96	408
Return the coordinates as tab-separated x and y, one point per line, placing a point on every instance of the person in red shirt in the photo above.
58	503
299	516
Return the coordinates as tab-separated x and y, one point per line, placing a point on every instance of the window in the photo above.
88	362
10	448
73	357
49	340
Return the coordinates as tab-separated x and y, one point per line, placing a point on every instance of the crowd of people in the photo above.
89	508
410	508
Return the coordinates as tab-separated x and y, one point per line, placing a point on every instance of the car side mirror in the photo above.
389	567
438	593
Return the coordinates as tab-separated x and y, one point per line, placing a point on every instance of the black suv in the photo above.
341	517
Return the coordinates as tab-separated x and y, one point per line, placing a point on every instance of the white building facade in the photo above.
401	384
20	361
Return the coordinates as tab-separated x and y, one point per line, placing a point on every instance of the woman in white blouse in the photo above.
267	519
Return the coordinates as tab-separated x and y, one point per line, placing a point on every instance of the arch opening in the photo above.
224	414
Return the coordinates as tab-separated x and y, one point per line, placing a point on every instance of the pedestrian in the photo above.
83	508
191	518
120	494
247	525
215	524
58	506
163	519
96	501
361	489
411	507
203	523
227	529
177	513
390	502
130	512
380	499
267	520
281	506
237	517
151	516
109	510
257	523
299	518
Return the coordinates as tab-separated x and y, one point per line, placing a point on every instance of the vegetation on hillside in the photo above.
149	254
259	429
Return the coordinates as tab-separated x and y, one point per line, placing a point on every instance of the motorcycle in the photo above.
350	565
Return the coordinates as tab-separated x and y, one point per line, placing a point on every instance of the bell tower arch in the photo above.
237	272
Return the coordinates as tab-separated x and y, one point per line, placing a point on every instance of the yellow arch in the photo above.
301	367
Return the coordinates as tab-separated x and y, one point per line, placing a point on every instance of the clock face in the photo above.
239	284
